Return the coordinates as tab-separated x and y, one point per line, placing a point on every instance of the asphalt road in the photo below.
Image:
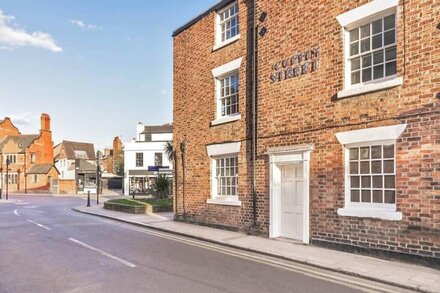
46	247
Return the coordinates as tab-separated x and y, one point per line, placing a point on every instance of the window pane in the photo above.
354	49
389	37
377	41
355	64
390	196
377	181
355	195
365	45
366	74
376	167
365	167
390	68
388	166
366	182
378	71
376	152
390	54
354	35
354	181
390	181
366	61
378	196
366	196
354	169
365	30
356	77
365	153
354	154
388	151
377	26
389	22
378	57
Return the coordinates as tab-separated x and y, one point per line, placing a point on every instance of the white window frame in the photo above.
225	150
218	43
357	17
368	137
227	69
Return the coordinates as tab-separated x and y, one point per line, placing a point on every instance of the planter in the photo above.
146	209
126	208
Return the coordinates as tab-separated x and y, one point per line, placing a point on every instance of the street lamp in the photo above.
98	173
7	178
182	150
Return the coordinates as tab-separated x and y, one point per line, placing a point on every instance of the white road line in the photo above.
39	225
123	261
16	213
323	274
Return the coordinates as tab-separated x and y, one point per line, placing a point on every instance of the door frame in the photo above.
279	157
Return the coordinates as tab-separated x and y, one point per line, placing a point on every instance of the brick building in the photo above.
113	159
30	156
346	132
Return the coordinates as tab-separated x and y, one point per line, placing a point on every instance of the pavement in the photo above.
413	277
47	247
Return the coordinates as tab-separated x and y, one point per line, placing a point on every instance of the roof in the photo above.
166	128
40	169
215	7
83	165
23	141
79	150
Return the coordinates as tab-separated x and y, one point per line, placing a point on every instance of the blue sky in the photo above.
96	66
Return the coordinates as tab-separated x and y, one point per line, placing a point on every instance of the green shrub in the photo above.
161	186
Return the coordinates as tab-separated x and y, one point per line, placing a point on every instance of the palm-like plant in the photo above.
169	151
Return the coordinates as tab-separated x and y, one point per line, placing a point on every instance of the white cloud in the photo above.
83	25
11	36
78	23
21	118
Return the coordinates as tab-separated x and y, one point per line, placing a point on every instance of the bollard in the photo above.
97	197
88	198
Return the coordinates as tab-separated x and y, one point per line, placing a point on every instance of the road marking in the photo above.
356	282
16	213
39	225
123	261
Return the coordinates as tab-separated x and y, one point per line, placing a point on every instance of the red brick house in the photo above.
346	147
30	158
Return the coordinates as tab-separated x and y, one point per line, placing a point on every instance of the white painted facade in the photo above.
63	166
148	149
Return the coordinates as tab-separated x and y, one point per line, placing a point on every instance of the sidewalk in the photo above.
392	272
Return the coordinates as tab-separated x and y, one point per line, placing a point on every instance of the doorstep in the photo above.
405	275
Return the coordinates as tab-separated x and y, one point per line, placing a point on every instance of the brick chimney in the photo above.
45	122
46	156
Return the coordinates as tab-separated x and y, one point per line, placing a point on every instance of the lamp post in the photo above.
182	150
7	178
98	173
1	178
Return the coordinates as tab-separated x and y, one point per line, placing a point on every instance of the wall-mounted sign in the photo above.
296	65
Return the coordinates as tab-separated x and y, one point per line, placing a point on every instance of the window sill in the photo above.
226	119
370	213
225	43
372	87
224	201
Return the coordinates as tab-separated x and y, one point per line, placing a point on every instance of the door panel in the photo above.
292	201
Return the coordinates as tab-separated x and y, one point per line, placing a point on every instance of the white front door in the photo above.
292	201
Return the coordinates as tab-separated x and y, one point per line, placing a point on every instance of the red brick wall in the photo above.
305	109
195	108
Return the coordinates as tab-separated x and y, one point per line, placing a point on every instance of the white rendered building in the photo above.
145	158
